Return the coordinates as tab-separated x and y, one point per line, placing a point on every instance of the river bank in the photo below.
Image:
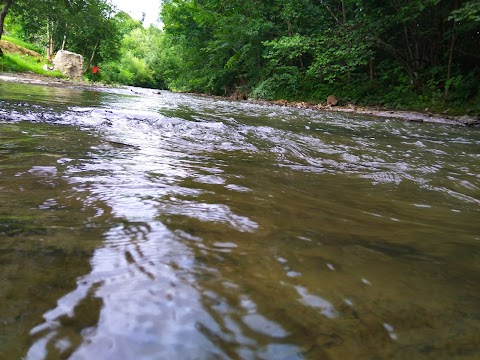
409	116
37	79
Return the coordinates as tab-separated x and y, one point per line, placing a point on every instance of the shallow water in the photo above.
135	225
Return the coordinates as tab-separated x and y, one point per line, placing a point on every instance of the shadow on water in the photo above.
175	226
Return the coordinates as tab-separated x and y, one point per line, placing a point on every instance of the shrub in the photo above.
281	85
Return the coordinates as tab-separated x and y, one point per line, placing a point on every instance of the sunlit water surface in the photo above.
137	225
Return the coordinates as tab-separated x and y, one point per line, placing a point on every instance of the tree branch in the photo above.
331	13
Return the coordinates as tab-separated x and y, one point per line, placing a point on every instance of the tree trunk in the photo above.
371	69
91	58
333	15
3	14
450	59
50	44
407	44
289	27
64	37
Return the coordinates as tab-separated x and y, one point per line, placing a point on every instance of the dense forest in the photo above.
397	53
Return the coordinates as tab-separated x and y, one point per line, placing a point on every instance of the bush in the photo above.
281	85
130	71
136	71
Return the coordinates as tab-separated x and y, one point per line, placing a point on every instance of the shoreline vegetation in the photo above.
25	65
375	111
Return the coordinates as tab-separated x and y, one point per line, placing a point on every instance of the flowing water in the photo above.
137	225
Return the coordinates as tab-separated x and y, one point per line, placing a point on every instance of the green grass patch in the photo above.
23	44
24	63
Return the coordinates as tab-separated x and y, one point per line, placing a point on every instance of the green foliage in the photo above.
125	24
337	55
112	73
137	61
469	11
116	73
141	74
83	26
288	49
217	45
284	84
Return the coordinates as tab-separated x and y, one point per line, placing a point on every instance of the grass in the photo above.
12	62
22	44
24	63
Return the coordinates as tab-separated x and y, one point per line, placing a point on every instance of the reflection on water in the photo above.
172	226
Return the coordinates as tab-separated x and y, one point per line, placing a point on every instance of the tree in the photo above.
469	11
3	14
83	26
215	53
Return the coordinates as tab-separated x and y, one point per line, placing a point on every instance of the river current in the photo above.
139	225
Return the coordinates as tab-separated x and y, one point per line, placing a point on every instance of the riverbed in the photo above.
143	225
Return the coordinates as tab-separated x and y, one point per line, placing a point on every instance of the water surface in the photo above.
137	225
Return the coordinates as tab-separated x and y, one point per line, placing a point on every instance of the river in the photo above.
139	225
